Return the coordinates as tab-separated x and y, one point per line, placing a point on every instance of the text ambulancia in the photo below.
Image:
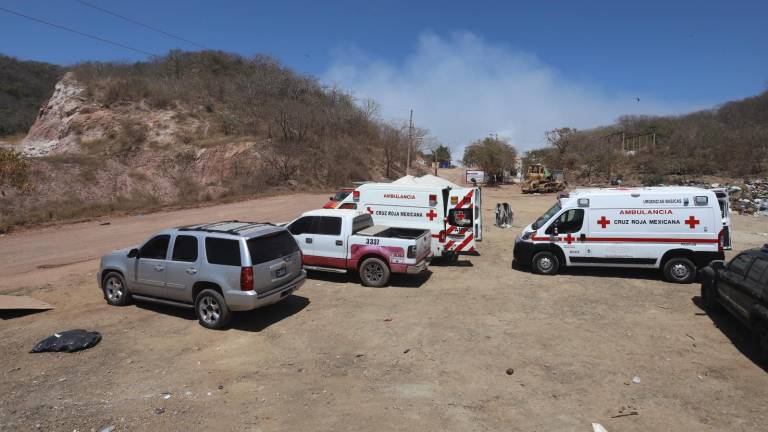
676	229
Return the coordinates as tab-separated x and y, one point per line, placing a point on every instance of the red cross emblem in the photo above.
459	216
431	215
692	222
569	238
370	210
603	222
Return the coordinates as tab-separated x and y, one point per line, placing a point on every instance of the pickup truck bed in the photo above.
384	231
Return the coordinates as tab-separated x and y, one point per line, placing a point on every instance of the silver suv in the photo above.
215	268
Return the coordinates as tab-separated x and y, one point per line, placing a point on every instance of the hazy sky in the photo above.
467	69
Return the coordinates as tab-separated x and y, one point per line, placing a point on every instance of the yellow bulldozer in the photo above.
538	179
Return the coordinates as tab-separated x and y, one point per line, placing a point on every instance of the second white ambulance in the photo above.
451	212
676	229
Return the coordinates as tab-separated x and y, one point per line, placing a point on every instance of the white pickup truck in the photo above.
343	240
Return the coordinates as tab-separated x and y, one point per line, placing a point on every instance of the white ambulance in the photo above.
676	229
451	212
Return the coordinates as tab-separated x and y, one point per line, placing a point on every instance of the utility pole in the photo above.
435	161
410	138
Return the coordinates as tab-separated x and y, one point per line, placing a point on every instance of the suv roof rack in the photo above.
211	227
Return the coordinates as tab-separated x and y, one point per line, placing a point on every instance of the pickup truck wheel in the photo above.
679	270
760	341
374	272
211	310
115	289
545	263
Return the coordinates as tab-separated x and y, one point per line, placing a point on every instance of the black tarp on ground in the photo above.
68	341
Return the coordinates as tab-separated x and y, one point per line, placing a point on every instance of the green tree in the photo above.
442	153
492	155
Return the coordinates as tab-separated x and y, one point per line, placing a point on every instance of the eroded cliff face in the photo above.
50	132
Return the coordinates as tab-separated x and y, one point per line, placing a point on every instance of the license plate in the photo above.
281	272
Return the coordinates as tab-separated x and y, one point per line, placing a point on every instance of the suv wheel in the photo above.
760	341
115	290
374	272
679	270
545	263
211	310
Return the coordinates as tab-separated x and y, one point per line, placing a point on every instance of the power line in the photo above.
60	27
139	23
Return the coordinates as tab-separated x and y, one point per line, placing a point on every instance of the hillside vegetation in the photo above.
729	141
24	86
193	127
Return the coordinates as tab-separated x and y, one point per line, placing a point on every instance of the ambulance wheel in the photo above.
679	270
545	263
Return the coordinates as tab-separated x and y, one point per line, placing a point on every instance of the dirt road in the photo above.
477	346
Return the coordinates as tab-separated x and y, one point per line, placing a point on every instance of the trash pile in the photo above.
753	199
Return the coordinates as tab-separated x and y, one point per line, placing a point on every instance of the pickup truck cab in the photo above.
343	240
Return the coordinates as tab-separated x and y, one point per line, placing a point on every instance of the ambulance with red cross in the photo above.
675	229
451	212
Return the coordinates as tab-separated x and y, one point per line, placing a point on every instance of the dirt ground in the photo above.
472	347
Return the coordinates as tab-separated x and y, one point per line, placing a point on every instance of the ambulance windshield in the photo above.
546	216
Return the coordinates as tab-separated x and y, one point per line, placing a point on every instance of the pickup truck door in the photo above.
329	242
301	229
150	266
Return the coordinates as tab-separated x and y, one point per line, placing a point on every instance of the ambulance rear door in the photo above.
462	221
477	201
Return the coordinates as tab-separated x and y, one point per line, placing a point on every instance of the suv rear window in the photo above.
222	251
271	247
185	248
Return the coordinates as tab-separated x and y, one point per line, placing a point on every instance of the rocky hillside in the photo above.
189	128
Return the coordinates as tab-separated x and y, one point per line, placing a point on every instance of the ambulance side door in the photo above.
569	231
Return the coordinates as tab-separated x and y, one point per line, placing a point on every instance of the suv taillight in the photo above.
412	251
246	279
